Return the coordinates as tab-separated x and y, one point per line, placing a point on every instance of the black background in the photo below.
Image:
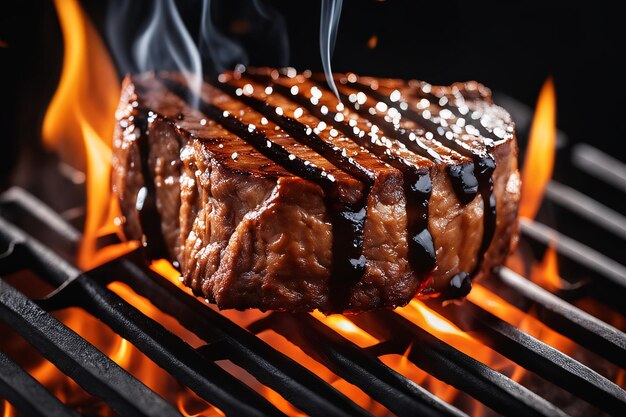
509	46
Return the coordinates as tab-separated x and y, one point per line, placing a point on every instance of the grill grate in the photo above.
224	340
20	388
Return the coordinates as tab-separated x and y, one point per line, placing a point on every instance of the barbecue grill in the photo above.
36	238
126	338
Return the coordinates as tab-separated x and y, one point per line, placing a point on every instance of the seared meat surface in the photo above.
271	193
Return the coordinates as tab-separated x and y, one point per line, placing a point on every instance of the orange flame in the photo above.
79	125
546	273
540	152
346	328
194	408
431	321
8	410
418	313
499	307
337	322
87	94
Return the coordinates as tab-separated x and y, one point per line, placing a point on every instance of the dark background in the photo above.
509	46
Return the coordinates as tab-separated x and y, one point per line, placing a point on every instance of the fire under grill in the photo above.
230	359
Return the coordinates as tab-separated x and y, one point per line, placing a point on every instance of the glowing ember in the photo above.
373	42
539	161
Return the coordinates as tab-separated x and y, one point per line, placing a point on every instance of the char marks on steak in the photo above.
270	193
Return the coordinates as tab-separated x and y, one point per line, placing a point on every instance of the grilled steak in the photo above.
271	193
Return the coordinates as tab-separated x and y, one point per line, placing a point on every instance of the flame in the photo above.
286	347
486	299
9	411
125	355
403	365
418	313
88	89
337	322
166	270
100	213
190	407
79	126
546	273
539	162
620	378
347	328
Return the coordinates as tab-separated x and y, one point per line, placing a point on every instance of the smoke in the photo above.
163	35
165	44
162	44
256	33
222	51
329	22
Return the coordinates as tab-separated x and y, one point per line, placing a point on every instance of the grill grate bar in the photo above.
399	394
583	328
454	367
78	359
595	162
587	207
613	272
25	202
295	383
27	394
536	356
207	379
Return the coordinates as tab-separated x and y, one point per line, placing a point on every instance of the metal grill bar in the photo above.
612	271
454	367
208	380
78	359
595	162
27	394
397	393
294	382
536	356
563	317
587	207
25	202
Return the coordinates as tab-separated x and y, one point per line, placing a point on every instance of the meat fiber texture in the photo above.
248	233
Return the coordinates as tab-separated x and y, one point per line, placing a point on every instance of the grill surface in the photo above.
224	340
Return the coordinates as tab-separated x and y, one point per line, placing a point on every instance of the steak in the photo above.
270	192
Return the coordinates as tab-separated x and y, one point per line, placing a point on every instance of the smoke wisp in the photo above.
329	23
